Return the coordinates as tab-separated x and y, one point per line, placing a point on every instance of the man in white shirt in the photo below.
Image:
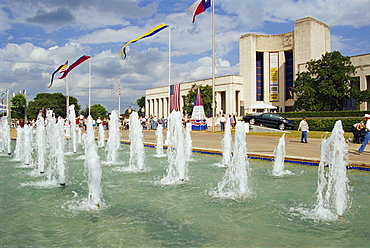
303	126
367	136
222	122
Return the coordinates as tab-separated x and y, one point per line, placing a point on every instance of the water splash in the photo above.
59	150
40	139
19	145
136	162
226	145
332	190
177	169
279	154
101	136
5	135
235	183
159	139
113	142
27	157
188	145
93	168
72	118
51	132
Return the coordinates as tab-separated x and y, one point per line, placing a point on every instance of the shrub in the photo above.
327	124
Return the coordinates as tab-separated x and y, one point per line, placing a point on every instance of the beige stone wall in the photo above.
362	65
156	99
309	40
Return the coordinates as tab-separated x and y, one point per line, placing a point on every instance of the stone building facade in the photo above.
268	68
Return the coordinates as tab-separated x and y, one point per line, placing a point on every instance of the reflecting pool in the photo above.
139	211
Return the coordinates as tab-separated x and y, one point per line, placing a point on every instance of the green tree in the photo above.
54	101
326	84
141	103
18	106
96	111
206	92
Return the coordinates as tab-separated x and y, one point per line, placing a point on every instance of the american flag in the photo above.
174	97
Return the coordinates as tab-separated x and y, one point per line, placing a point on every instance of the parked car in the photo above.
271	120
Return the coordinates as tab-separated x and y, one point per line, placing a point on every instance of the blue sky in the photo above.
36	36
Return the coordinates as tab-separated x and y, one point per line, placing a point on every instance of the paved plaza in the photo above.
264	146
258	146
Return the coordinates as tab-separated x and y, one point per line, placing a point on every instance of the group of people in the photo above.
361	132
231	119
152	122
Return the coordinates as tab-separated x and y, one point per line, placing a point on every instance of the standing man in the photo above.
303	126
367	135
222	122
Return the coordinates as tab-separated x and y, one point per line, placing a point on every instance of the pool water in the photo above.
140	212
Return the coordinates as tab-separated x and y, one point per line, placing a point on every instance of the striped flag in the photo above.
175	97
150	33
74	65
61	69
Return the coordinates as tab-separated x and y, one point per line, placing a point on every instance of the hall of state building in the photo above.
268	65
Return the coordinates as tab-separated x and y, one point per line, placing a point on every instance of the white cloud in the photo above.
253	13
4	21
95	28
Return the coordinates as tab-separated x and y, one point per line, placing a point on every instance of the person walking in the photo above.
367	135
222	122
303	126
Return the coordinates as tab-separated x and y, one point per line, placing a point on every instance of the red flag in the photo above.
174	97
79	61
199	7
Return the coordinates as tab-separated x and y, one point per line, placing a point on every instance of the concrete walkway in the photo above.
264	146
259	147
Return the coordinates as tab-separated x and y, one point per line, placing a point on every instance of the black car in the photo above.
271	120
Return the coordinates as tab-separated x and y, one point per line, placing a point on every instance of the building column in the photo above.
160	112
147	107
219	101
230	107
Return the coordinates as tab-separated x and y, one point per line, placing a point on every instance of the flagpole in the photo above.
169	72
66	80
8	112
89	85
213	65
67	97
169	85
119	97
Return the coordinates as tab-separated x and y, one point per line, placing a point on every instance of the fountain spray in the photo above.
5	134
92	166
177	167
40	139
226	145
235	183
332	196
159	137
101	136
72	118
137	145
113	142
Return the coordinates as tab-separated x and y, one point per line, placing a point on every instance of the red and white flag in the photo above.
199	7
